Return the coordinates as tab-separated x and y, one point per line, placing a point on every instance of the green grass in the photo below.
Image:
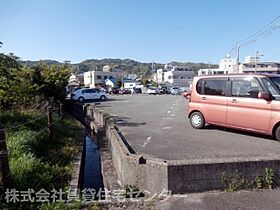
35	160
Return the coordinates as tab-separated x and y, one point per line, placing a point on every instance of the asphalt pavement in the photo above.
157	126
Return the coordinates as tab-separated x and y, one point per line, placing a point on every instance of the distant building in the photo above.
262	67
212	71
160	76
97	78
131	84
132	76
228	65
76	81
175	75
252	59
251	64
110	82
107	68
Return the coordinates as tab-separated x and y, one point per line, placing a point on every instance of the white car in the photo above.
175	91
152	90
88	94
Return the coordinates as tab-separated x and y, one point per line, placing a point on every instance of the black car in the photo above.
164	90
137	90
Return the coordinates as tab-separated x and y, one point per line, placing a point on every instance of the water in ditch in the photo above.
92	177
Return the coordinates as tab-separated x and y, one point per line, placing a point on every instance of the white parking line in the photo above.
173	115
166	128
171	107
168	112
146	141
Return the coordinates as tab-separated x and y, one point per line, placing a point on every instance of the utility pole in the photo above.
256	61
238	48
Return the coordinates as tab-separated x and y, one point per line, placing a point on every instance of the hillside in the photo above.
127	65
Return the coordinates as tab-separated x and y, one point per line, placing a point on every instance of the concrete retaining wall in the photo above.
203	176
155	175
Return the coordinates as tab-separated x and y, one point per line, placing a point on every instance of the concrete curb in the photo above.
178	176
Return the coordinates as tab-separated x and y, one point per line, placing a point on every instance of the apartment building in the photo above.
175	75
97	78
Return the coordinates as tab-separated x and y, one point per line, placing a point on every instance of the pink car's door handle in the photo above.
234	101
203	98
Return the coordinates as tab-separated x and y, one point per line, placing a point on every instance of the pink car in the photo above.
242	101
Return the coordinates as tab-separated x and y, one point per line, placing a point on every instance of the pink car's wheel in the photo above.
197	120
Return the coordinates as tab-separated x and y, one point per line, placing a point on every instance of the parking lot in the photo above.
157	126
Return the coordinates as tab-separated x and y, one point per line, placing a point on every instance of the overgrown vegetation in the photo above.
236	182
36	159
36	162
22	86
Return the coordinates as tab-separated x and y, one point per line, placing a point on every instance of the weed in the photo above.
54	206
258	182
237	182
96	206
131	191
270	178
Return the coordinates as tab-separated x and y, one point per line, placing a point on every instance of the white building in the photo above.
211	71
107	68
227	65
175	75
110	82
160	76
97	78
132	84
252	59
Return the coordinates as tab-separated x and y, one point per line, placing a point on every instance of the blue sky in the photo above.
143	30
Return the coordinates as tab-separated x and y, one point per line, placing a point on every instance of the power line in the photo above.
274	56
265	31
262	30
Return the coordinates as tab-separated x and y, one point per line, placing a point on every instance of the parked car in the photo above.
125	91
88	94
175	90
187	93
243	101
152	91
164	90
115	90
137	91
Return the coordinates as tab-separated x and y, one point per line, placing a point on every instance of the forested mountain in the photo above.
126	65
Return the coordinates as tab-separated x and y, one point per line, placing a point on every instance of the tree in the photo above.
50	82
9	80
22	85
119	83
